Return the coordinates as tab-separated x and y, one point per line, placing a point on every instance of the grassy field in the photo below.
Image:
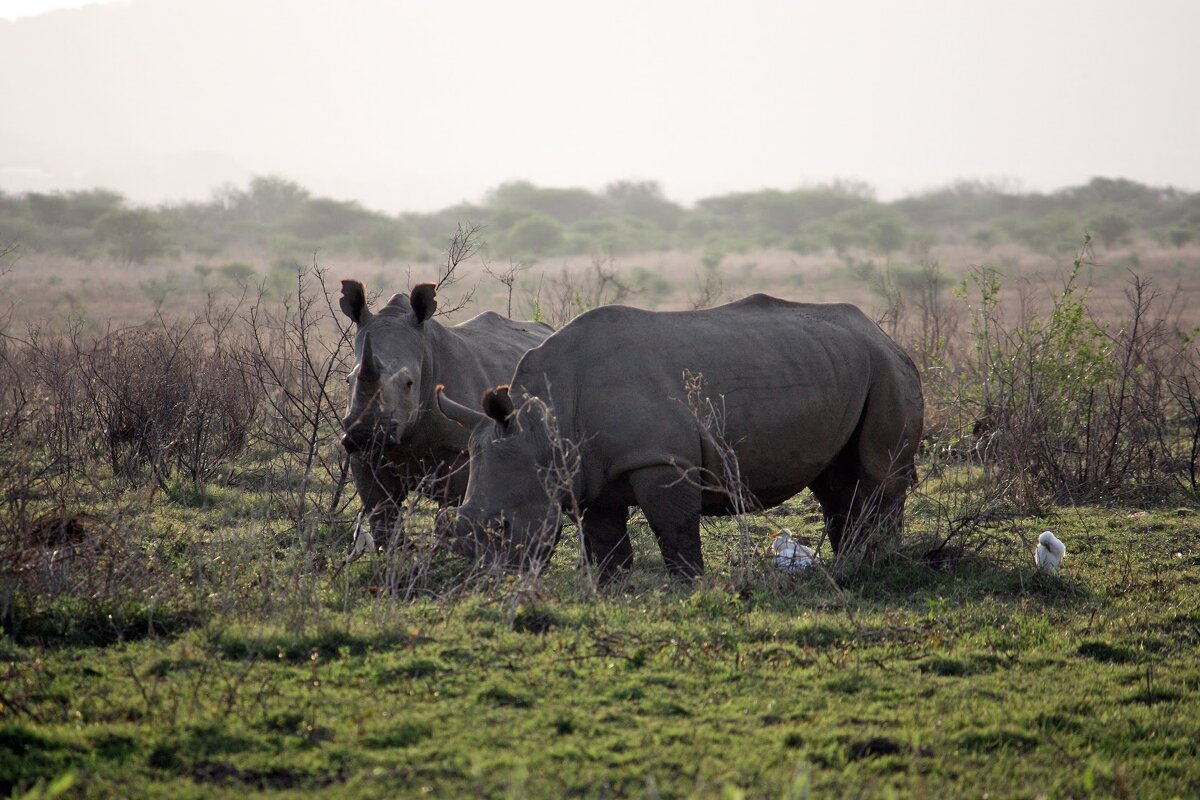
49	287
971	675
167	636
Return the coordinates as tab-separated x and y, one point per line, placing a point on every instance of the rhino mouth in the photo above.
489	541
380	441
493	543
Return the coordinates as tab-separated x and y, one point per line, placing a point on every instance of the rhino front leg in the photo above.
672	507
606	540
382	493
387	524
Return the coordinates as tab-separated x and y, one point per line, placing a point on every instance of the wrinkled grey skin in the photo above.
396	440
814	396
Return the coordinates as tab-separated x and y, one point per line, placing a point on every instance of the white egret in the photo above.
363	541
1049	553
789	555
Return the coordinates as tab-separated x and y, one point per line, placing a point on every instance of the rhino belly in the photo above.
781	448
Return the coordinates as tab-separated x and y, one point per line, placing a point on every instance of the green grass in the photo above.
975	677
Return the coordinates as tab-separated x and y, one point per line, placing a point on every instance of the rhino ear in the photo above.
423	301
354	301
497	404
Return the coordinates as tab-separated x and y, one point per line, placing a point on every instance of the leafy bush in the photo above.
1112	227
133	236
1072	410
535	235
237	272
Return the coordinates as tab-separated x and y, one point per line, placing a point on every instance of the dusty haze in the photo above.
419	105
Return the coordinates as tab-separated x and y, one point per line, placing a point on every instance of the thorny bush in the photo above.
1057	404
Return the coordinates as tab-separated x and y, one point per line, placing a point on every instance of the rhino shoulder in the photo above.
760	299
532	326
841	315
491	321
486	321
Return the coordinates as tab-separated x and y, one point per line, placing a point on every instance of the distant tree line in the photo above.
279	219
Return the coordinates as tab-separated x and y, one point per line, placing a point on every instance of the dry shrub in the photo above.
82	418
60	433
1055	403
1075	411
136	384
146	401
68	569
216	420
297	356
560	298
166	398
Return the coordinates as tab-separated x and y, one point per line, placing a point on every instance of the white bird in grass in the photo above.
363	541
1049	553
789	555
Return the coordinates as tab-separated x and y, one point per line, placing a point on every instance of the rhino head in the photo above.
386	386
512	511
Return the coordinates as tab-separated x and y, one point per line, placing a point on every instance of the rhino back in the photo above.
789	380
496	343
468	359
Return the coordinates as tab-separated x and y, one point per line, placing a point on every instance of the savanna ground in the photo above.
177	622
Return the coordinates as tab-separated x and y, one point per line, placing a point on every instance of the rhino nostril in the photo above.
349	444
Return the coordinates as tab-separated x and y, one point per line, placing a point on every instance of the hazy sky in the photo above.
408	105
14	9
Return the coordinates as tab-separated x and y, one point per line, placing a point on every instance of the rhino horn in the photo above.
456	412
370	365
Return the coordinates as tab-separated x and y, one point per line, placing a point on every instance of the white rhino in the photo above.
395	439
812	396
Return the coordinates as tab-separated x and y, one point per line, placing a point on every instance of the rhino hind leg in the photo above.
387	524
672	507
835	505
862	491
606	540
887	444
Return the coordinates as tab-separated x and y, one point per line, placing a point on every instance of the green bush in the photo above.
535	235
237	272
1070	410
1112	227
133	237
651	284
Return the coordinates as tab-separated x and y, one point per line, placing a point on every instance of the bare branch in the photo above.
506	278
465	243
710	290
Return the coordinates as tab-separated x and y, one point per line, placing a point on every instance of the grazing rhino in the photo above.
810	396
395	441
